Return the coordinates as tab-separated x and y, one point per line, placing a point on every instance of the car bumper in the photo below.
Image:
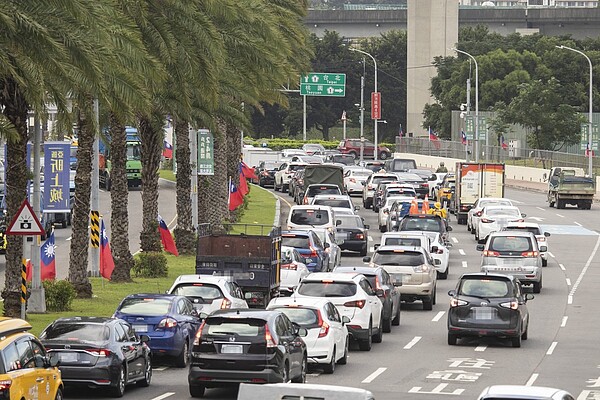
215	377
484	331
267	180
354	245
522	276
353	189
168	345
89	376
358	333
411	291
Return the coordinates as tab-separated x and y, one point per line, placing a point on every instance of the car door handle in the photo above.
39	380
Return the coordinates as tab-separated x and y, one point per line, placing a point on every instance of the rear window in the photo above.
405	258
403	165
305	317
333	203
315	190
238	327
327	289
402	242
484	288
198	290
309	217
148	306
532	229
296	167
299	242
378	179
343	159
503	211
421	224
272	165
510	244
350	221
76	331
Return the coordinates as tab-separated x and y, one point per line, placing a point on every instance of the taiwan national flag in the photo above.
166	238
167	150
236	198
587	151
107	263
247	171
48	259
243	183
463	138
434	138
503	143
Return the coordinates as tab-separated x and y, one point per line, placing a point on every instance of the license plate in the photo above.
511	261
140	328
483	313
398	278
232	349
68	357
406	278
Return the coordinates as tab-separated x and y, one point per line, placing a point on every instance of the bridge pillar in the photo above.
432	31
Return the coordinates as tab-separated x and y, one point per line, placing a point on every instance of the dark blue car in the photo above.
170	321
310	248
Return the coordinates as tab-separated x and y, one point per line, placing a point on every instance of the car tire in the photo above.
145	382
363	252
428	304
396	320
368	204
525	334
387	325
378	337
366	344
433	301
384	155
516	341
544	263
443	275
303	368
382	228
275	187
59	394
183	359
344	359
197	391
537	286
353	153
285	375
330	368
560	204
452	339
119	389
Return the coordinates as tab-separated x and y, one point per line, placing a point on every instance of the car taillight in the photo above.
359	236
421	268
424	185
324	326
529	254
486	220
265	173
355	303
352	180
513	305
99	352
167	323
268	338
490	253
478	213
313	252
456	302
519	220
291	266
541	239
198	336
305	201
225	304
370	187
5	384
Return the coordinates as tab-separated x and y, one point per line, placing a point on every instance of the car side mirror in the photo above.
367	226
529	296
144	338
547	234
338	222
449	228
452	293
523	215
376	246
326	245
480	247
345	320
437	262
543	248
367	259
545	177
379	292
356	208
302	332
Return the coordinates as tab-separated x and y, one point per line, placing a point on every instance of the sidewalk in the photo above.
540	187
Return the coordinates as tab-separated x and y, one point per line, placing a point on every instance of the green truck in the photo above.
570	185
133	165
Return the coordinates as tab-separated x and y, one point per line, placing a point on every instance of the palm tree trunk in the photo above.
184	232
212	190
151	135
78	258
15	110
119	196
234	151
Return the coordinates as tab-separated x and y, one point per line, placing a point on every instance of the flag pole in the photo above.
101	267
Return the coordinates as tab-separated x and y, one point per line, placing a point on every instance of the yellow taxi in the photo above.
444	193
26	371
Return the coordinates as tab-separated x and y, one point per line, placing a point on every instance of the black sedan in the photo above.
266	172
99	352
354	234
250	346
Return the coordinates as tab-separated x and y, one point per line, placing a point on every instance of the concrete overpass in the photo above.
580	23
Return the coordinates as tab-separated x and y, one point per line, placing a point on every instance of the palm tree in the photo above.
185	231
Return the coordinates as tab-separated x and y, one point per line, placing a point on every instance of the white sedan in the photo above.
385	210
494	218
293	269
355	178
475	211
209	293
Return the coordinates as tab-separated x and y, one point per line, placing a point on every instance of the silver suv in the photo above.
513	253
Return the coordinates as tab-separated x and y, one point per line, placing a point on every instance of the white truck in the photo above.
474	181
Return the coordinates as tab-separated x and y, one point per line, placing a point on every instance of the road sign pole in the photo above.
95	199
37	300
194	156
344	129
304	117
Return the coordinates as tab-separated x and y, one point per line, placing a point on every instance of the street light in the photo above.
375	65
590	110
476	102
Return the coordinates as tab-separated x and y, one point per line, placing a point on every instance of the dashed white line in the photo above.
374	375
160	368
464	264
577	223
551	348
412	342
69	238
163	396
540	208
370	238
562	267
564	321
551	255
558	215
584	270
532	379
438	316
569	299
480	348
568	281
372	249
462	252
455	240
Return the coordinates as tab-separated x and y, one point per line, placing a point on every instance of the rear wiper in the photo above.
479	297
223	333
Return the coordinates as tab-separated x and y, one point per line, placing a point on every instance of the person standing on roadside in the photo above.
442	168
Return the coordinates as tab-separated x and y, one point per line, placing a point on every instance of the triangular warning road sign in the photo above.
25	222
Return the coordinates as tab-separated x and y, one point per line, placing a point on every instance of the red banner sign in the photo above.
375	105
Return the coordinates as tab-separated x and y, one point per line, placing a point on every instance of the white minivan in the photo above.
311	216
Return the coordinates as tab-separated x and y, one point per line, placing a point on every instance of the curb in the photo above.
277	204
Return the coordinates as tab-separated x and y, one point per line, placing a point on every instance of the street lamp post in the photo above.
590	110
375	150
476	102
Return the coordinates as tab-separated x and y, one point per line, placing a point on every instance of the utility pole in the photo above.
469	114
95	202
304	118
194	156
362	117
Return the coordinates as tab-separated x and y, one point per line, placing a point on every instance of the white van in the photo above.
278	391
311	216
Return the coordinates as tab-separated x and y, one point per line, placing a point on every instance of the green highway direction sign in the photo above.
470	127
595	136
323	84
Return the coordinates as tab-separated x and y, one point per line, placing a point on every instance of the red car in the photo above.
352	146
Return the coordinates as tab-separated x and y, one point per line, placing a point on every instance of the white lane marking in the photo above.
540	208
314	375
577	223
558	215
516	201
462	252
455	240
160	368
370	238
464	264
532	379
69	238
372	249
551	255
163	396
564	321
551	348
568	281
374	375
412	342
562	267
584	270
438	390
480	348
569	299
438	316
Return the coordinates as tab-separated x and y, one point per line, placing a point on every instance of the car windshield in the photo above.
350	221
203	290
498	202
298	242
333	203
239	327
343	159
420	224
377	179
272	165
403	165
486	288
145	306
84	331
502	211
392	241
315	190
327	289
533	229
309	217
510	244
134	152
404	258
361	174
305	317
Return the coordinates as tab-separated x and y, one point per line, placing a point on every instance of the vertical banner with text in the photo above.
57	156
375	105
206	155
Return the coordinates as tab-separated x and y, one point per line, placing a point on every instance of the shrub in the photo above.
150	265
59	295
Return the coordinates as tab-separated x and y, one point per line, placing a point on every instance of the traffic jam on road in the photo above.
383	281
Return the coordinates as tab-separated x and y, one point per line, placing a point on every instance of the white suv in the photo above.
209	293
283	175
354	298
371	184
534	228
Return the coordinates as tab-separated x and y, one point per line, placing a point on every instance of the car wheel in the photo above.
452	339
353	153
434	295
544	263
443	275
382	228
330	368
285	374
428	304
368	203
363	252
516	341
378	337
344	359
59	394
145	382
537	286
197	391
387	325
396	320
119	389
302	377
366	344
384	155
524	334
183	358
275	187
